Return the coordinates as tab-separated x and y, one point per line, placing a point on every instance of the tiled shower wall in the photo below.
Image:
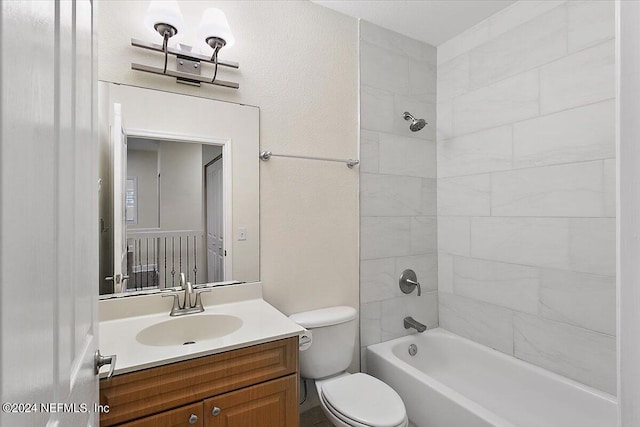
397	182
526	186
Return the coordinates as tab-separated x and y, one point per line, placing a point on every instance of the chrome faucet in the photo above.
188	290
187	307
410	322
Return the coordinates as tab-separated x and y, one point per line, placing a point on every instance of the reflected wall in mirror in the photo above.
179	190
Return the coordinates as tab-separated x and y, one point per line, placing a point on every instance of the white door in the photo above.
119	147
48	213
215	221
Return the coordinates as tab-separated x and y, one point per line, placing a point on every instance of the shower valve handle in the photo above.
409	281
417	284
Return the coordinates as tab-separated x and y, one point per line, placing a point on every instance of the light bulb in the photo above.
164	12
214	24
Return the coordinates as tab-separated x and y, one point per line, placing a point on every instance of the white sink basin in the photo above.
189	329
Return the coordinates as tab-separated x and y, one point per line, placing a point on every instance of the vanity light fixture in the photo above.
214	30
165	18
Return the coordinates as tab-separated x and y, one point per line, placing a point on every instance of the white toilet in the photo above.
348	400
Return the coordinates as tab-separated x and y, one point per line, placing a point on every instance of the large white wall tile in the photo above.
428	197
526	102
422	308
580	299
407	156
484	323
580	354
454	235
593	245
590	21
610	187
445	272
426	269
534	43
453	78
584	133
540	242
484	151
579	79
395	42
377	279
376	109
519	13
370	326
369	151
465	195
383	69
507	101
463	42
422	79
423	234
383	237
507	285
444	125
571	190
389	195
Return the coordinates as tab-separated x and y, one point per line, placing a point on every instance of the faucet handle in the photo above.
198	297
415	283
409	281
176	300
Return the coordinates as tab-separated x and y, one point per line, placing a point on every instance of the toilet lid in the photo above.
365	399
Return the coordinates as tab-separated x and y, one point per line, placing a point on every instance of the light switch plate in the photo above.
242	233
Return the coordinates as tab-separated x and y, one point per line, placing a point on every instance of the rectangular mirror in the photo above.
179	190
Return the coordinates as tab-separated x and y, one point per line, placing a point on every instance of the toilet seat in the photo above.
339	416
361	400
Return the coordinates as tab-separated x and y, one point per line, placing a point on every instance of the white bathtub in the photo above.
455	382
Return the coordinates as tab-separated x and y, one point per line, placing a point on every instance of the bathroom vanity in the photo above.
235	364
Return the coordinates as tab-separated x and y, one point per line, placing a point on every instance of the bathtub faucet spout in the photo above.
410	322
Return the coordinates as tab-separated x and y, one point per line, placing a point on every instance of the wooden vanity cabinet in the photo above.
274	403
188	415
254	386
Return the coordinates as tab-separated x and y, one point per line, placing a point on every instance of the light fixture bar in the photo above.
174	51
181	75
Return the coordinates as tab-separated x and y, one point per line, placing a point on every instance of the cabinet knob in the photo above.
215	411
193	419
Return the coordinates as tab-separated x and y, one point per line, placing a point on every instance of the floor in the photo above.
314	417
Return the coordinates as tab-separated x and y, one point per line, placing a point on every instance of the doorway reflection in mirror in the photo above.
173	213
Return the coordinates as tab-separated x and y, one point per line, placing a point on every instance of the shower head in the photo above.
416	124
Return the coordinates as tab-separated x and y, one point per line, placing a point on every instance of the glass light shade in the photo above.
214	24
164	12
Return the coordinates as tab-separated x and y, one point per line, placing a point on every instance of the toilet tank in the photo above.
333	339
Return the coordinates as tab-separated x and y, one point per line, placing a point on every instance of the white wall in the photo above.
298	62
397	182
181	186
526	186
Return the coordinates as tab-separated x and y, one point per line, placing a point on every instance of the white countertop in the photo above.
261	323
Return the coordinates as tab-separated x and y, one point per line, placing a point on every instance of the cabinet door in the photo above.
186	416
270	404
